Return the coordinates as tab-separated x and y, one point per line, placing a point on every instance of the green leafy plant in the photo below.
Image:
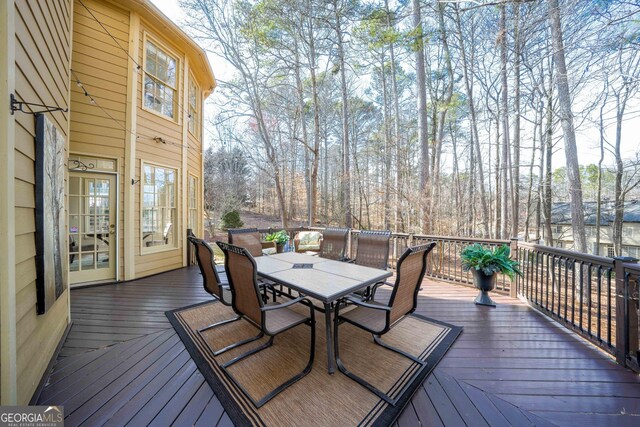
280	237
231	220
489	260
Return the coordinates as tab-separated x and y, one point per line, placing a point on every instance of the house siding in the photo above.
150	125
102	68
42	53
37	65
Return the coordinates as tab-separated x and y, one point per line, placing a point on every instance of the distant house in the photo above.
134	85
563	234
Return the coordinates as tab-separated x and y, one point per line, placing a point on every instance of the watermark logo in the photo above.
31	416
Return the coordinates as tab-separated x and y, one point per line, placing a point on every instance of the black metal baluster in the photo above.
566	287
455	260
573	295
581	292
556	262
589	300
550	260
451	246
609	272
599	308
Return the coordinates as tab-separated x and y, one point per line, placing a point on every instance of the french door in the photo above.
92	227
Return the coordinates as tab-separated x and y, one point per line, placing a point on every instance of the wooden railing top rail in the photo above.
461	239
568	254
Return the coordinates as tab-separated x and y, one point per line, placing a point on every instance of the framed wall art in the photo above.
51	247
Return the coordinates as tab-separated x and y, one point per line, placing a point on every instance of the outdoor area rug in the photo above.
319	398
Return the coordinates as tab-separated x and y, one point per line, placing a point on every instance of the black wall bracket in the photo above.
18	106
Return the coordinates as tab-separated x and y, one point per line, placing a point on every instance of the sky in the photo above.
587	136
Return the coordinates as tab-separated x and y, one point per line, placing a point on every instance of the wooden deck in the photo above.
122	363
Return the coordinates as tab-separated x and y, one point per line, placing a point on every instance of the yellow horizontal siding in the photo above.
25	273
32	360
42	59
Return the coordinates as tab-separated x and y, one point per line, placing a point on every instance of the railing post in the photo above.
189	248
626	319
513	288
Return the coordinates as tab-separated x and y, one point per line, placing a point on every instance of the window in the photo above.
610	252
160	80
632	251
158	206
194	101
558	229
627	231
192	220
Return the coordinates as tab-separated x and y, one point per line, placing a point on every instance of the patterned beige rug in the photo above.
318	399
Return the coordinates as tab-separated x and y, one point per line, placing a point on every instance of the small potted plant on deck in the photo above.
485	264
280	238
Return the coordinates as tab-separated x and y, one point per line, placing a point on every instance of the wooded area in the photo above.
465	118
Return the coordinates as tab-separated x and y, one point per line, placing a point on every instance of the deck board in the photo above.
122	363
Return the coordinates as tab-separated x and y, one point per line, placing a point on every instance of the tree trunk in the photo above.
316	132
599	190
515	184
504	109
548	143
423	139
474	126
619	191
346	168
566	120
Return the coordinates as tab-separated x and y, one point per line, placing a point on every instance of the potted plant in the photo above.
280	238
484	264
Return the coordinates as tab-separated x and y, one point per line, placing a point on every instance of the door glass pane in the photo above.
87	262
90	220
103	260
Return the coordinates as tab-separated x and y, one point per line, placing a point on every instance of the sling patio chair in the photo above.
215	283
249	238
334	243
214	280
378	318
372	250
271	319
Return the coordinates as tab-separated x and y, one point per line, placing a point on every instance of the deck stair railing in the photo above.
596	297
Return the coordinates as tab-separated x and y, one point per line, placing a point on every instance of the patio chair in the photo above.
334	243
214	283
249	238
378	318
372	251
271	319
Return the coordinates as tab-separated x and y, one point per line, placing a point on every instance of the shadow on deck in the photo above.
122	363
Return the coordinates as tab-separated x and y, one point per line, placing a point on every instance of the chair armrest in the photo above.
367	305
284	304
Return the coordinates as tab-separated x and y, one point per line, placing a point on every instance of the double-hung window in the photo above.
158	207
160	80
192	220
194	114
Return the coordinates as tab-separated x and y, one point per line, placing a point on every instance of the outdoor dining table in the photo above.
322	279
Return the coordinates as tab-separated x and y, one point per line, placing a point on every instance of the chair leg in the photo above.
273	393
377	340
215	325
231	346
382	395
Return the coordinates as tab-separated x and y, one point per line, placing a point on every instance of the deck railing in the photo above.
597	297
594	296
